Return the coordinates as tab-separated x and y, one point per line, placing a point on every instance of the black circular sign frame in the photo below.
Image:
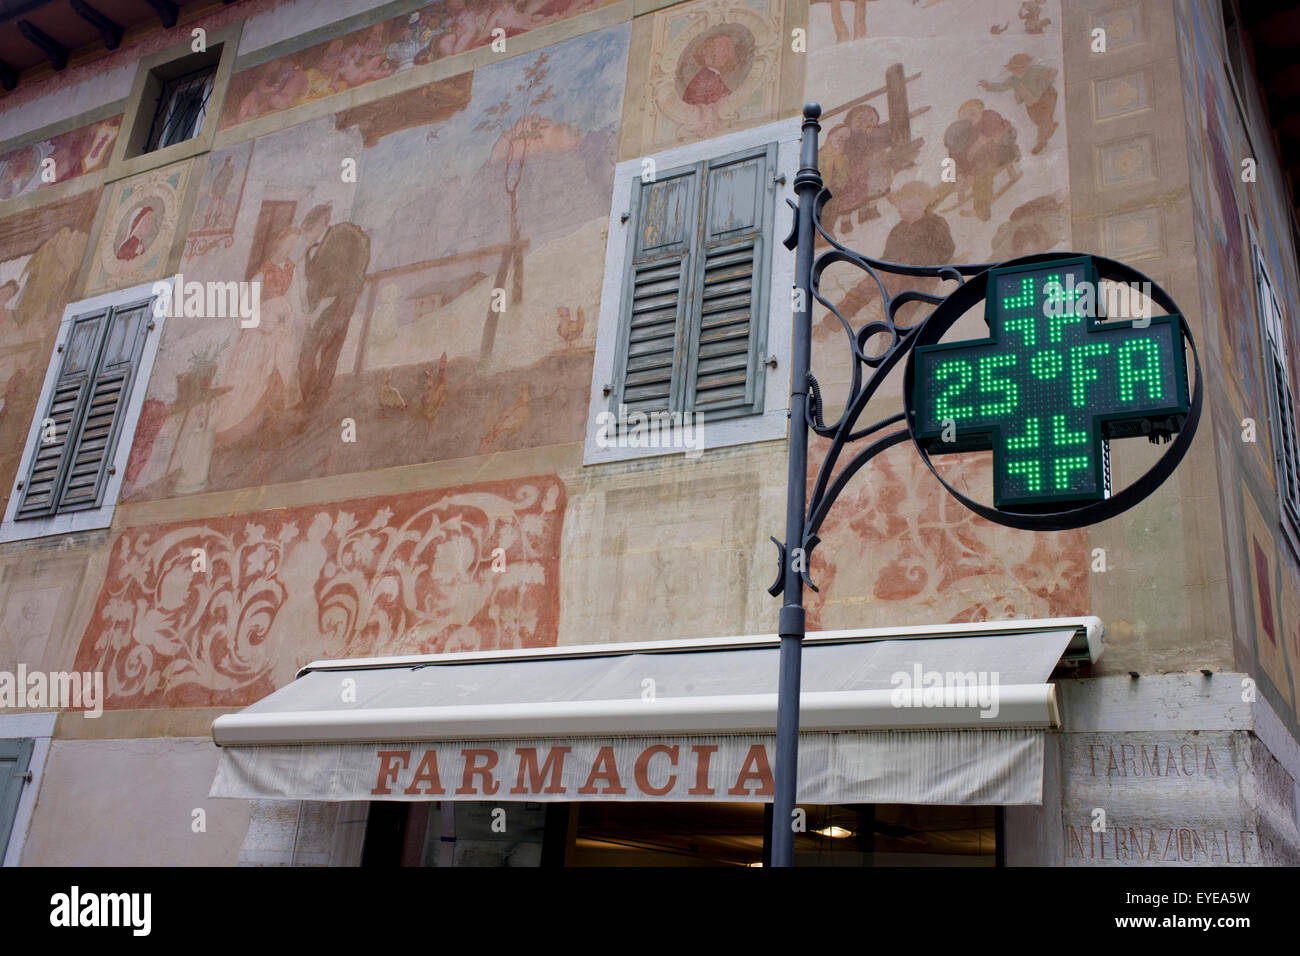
973	291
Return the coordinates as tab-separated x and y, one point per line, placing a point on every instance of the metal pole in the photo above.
807	185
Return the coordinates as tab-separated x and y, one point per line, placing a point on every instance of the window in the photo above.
15	759
1281	406
180	108
75	457
618	833
693	300
174	104
693	306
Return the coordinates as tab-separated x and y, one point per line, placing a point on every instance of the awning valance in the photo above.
942	715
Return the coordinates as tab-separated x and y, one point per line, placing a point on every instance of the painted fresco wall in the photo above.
378	232
57	159
390	462
909	92
1264	570
422	36
40	257
377	300
221	612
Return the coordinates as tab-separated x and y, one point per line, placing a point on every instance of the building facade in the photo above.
324	323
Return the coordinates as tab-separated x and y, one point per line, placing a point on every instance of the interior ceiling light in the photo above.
834	831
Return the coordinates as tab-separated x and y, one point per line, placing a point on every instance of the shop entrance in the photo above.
489	833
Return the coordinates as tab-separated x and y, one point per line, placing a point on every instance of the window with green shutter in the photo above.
693	309
82	422
15	759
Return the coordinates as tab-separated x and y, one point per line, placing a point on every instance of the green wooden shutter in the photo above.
66	409
728	317
89	402
101	426
656	292
15	759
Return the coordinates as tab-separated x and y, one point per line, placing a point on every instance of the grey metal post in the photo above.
807	185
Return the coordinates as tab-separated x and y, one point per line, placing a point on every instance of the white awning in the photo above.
947	715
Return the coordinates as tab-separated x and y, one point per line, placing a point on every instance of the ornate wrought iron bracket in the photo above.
869	371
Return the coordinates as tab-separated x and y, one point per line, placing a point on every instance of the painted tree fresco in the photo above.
429	298
221	611
384	49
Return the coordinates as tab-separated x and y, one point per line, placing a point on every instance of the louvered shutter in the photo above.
69	472
15	759
656	292
87	470
728	312
65	410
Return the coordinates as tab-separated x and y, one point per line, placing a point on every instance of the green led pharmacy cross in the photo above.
1053	380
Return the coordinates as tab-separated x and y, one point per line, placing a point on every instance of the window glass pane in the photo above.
668	834
121	336
897	835
676	834
81	346
475	833
182	105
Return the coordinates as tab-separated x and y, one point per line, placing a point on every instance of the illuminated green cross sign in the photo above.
1050	383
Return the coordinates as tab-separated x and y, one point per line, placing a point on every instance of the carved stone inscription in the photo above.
1157	799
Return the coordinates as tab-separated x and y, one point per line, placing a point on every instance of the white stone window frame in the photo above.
771	423
102	517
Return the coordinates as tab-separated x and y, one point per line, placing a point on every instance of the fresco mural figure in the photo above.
862	154
220	190
281	86
137	235
336	262
463	26
921	237
1033	86
8	317
1033	226
716	59
363	61
868	146
982	143
1225	180
856	161
260	374
840	25
1031	12
834	161
19	171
